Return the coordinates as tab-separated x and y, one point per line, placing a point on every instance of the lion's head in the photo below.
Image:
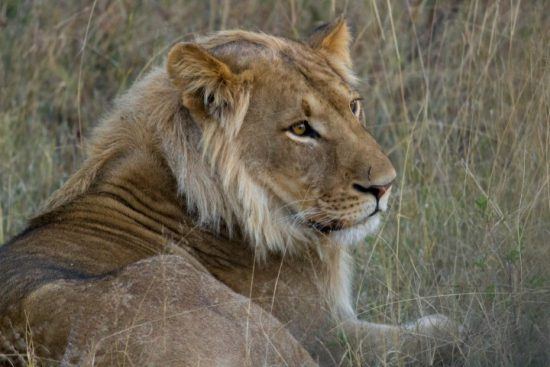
285	149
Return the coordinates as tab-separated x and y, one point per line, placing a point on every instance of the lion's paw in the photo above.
434	340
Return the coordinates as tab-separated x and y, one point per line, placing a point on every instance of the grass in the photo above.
456	91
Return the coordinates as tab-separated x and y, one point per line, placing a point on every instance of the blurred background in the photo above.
456	91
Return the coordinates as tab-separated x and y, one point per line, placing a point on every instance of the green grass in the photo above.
457	92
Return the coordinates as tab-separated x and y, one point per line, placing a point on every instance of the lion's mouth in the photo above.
336	225
327	228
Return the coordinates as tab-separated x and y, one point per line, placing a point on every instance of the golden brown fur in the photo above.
201	230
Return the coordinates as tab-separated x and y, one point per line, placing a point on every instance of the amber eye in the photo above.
355	107
302	128
299	128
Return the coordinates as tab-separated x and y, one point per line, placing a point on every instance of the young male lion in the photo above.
212	220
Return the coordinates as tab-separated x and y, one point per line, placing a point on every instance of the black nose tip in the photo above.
377	190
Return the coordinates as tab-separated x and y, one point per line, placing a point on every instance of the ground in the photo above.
457	93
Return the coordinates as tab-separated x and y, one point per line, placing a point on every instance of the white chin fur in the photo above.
355	234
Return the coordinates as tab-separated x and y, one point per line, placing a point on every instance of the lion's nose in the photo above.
376	190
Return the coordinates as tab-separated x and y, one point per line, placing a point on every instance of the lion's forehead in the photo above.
285	58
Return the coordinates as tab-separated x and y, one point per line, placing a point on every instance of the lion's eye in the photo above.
355	107
303	128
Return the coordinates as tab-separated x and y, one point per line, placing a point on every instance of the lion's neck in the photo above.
142	181
222	218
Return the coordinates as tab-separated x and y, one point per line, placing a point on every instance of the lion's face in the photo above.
293	124
304	137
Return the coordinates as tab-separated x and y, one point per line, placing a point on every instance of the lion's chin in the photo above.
353	235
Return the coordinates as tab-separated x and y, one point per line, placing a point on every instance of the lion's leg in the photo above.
425	341
164	311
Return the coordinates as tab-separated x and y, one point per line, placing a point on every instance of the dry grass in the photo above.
457	91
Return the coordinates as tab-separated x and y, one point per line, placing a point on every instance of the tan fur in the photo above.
198	161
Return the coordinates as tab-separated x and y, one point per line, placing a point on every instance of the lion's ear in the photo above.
334	39
205	81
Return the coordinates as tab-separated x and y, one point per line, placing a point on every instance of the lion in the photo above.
212	221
